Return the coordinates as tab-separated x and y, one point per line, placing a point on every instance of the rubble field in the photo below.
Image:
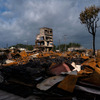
71	75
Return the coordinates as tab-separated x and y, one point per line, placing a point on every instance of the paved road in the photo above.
9	96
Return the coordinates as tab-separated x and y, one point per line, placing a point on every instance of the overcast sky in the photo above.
20	21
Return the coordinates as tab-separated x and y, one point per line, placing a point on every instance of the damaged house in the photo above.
44	40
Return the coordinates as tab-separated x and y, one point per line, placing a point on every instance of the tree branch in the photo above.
89	28
96	24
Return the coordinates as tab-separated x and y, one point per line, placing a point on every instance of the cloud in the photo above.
7	14
20	20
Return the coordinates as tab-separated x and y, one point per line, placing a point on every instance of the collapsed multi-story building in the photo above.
44	40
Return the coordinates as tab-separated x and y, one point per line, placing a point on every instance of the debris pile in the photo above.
52	72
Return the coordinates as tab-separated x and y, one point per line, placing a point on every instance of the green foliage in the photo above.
54	48
64	47
89	17
29	47
73	45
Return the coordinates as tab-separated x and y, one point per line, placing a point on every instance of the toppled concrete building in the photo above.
44	40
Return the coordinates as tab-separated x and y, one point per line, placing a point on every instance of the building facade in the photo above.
44	40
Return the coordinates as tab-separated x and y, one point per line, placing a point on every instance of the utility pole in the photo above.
7	45
26	43
65	41
59	44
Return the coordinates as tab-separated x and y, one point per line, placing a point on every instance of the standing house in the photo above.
44	40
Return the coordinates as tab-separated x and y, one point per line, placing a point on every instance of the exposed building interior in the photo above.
44	40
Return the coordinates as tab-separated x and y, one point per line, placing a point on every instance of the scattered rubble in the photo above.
51	71
49	82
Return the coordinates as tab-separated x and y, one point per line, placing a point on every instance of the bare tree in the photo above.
89	17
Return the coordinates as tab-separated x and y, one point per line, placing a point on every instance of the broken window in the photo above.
42	38
45	30
51	43
47	43
51	31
